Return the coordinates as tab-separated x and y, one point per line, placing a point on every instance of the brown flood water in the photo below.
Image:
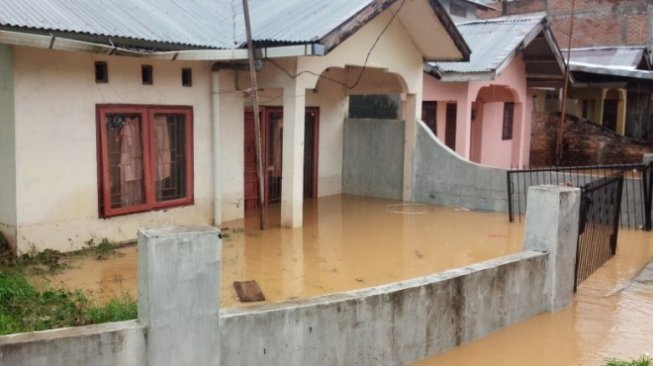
611	317
346	243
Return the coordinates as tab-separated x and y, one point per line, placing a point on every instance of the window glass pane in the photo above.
125	155
508	115
170	154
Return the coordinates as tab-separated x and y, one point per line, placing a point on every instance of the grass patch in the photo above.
23	308
645	360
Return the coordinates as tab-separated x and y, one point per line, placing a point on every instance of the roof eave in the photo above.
338	35
453	31
457	77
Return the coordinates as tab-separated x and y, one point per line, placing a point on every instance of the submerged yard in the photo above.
611	317
346	243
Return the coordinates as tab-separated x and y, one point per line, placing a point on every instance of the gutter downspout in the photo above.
215	124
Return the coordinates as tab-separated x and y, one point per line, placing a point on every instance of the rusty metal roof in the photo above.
493	43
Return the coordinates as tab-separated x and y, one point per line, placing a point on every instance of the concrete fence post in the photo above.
647	159
552	219
178	294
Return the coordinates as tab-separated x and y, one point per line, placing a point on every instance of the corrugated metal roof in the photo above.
199	23
608	56
492	42
299	21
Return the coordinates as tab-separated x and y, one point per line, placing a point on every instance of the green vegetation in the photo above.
103	250
645	360
24	308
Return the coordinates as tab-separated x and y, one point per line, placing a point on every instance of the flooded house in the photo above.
482	109
138	115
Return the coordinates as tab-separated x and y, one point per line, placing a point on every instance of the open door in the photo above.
272	136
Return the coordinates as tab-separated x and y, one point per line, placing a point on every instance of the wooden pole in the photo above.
257	117
565	92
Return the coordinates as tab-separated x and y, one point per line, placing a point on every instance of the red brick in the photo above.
583	143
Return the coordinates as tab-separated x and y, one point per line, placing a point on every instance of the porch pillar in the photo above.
621	112
292	185
215	127
464	128
413	112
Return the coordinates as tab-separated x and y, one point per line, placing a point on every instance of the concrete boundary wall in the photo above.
393	324
110	344
442	177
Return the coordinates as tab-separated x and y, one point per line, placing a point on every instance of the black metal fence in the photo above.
636	195
600	208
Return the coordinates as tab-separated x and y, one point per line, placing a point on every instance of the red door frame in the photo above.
265	113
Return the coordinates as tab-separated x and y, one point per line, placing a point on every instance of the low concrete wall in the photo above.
98	345
373	158
444	178
394	324
388	325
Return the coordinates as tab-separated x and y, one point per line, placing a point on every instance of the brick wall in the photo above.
583	143
597	22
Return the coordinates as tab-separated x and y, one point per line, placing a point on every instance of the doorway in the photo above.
272	136
450	128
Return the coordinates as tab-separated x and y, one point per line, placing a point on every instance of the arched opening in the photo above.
496	118
326	104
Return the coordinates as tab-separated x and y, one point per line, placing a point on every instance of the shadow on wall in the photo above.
444	178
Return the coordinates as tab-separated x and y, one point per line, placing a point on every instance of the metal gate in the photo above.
637	196
600	208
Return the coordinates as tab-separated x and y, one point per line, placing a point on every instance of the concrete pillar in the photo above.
621	112
215	125
552	219
464	128
292	185
8	175
178	294
647	159
413	111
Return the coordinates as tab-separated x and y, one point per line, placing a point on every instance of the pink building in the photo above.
482	109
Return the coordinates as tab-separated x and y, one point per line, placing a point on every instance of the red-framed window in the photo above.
145	158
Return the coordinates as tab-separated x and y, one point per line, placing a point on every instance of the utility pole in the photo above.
257	117
565	92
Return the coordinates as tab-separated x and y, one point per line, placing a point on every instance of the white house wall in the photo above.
56	153
395	52
7	146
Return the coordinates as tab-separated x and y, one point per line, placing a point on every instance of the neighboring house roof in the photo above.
618	61
202	24
495	42
479	5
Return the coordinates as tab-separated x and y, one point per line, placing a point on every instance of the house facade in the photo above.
103	133
483	109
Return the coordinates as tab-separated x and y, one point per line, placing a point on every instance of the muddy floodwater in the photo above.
611	317
346	243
